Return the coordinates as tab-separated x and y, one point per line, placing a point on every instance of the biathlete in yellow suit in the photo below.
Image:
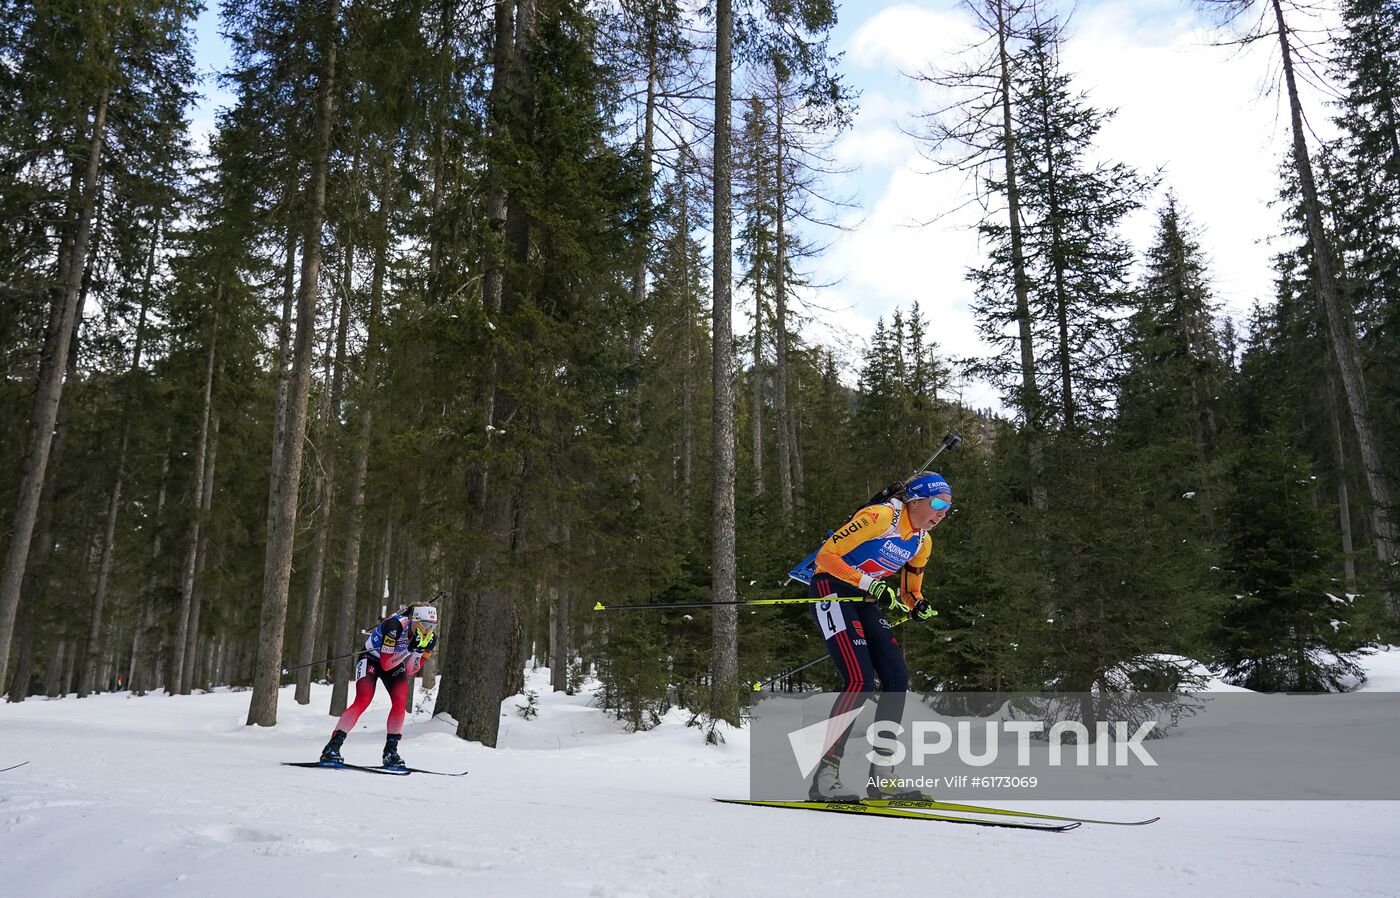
879	543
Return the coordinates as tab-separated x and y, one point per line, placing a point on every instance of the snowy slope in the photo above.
175	796
1382	670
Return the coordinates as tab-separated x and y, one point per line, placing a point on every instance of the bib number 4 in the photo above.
831	619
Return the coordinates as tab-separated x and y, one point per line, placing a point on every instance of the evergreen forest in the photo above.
510	303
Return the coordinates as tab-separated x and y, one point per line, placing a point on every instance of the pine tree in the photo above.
262	709
1285	628
82	85
1341	327
1076	259
559	332
1169	395
1297	330
1363	201
1367	63
724	638
654	51
757	253
978	132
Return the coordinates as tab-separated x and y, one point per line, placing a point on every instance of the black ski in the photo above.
344	766
435	772
850	807
20	764
387	771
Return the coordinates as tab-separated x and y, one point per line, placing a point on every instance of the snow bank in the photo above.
174	796
1382	670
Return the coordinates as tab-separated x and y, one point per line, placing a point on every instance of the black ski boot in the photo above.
331	753
391	750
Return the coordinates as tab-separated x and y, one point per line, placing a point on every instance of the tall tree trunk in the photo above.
344	633
458	660
560	651
325	491
724	667
187	675
350	566
262	709
219	673
517	656
1342	332
140	675
494	614
54	674
1057	251
284	341
54	362
136	677
25	635
759	177
187	569
104	566
502	51
66	680
757	397
1194	334
1055	218
1030	393
36	574
795	453
688	354
88	665
639	274
781	412
1343	493
440	157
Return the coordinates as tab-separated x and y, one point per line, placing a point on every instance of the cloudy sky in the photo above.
1205	115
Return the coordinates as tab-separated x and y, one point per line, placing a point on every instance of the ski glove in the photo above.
924	610
885	596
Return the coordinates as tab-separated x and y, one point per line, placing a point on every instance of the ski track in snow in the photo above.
174	796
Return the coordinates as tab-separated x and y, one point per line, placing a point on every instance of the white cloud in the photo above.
907	37
1193	109
875	140
889	261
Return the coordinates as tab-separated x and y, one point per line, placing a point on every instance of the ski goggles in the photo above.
421	632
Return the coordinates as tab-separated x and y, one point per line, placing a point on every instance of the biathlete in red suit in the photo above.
396	650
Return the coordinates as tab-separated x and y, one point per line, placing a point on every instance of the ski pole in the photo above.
758	687
805	600
287	670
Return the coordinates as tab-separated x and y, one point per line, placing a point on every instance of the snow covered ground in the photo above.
175	796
